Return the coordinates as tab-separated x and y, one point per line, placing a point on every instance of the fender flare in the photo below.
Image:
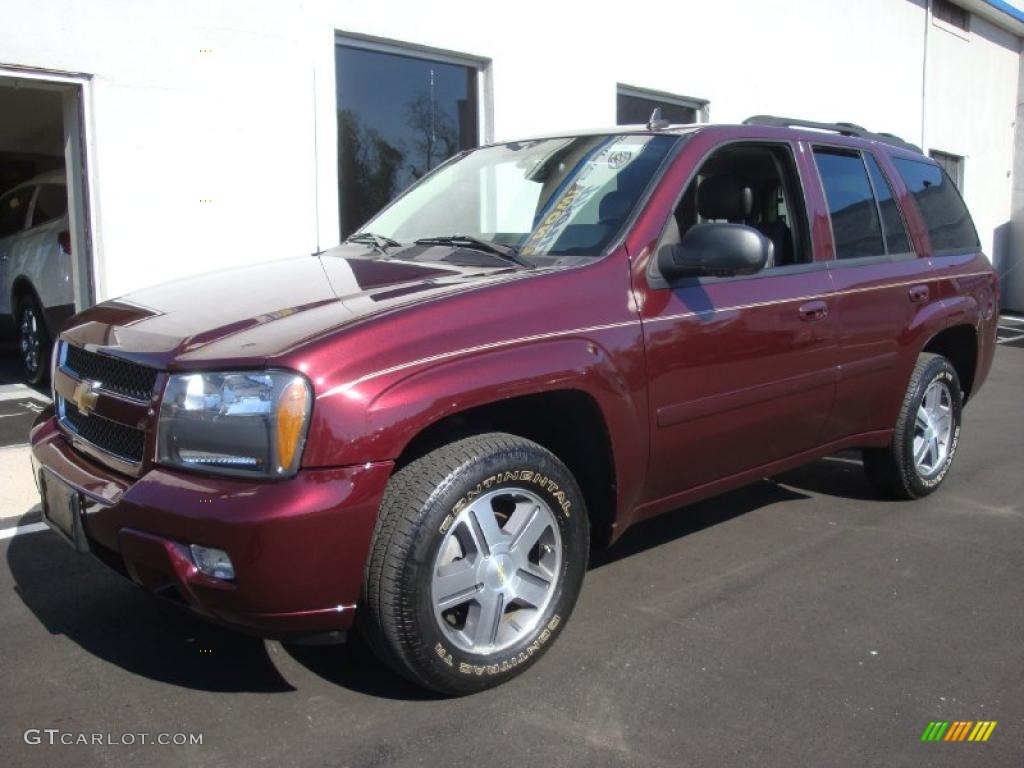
406	405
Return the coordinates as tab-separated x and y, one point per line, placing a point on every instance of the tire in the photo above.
34	341
895	470
495	528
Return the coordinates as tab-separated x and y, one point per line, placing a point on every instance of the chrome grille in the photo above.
113	374
119	440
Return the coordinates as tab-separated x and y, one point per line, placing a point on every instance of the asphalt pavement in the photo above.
800	621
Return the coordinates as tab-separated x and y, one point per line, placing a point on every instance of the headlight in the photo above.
247	423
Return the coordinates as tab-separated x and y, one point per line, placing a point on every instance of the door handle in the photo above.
918	293
813	310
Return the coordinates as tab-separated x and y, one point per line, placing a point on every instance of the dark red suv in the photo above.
422	431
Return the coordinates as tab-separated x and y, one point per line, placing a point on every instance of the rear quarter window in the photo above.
14	211
51	203
945	215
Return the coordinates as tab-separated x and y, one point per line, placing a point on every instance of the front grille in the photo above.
122	441
114	375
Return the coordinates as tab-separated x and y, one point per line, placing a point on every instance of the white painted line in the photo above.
20	391
10	533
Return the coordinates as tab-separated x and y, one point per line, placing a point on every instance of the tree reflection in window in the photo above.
399	116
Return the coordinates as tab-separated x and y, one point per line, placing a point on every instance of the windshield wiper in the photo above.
379	242
506	252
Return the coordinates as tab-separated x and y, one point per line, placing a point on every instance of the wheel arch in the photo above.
22	286
958	344
568	422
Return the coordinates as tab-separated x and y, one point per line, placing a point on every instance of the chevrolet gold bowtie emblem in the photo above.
85	396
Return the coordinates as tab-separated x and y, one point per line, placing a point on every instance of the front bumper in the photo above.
299	546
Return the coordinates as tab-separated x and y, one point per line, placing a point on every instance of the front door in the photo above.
741	369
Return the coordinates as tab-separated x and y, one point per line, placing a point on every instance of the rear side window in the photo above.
856	230
896	240
945	215
51	203
14	210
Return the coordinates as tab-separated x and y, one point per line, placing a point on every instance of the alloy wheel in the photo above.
496	570
29	339
933	428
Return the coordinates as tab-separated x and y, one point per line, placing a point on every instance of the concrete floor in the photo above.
797	622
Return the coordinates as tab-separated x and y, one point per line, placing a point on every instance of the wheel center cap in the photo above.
498	571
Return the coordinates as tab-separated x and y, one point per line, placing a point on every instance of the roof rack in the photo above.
845	129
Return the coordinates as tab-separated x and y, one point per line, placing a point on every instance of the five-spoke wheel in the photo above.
496	570
477	560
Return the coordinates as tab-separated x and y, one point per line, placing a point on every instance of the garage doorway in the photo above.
45	244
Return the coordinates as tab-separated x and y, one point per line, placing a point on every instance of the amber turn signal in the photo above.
292	407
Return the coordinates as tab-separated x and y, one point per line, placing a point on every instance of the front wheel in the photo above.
926	435
478	558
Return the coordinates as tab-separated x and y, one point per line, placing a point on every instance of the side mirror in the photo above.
715	250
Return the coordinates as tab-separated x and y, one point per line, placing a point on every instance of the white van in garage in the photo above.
36	293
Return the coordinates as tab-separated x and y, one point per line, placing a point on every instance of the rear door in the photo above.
43	252
881	283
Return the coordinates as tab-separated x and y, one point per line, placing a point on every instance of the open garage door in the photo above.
45	248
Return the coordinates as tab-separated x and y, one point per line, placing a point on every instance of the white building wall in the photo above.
234	101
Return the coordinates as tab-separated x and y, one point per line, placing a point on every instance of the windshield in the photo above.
559	197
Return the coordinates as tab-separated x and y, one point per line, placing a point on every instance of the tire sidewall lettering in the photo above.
563	502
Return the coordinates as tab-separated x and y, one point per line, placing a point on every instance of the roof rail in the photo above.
845	129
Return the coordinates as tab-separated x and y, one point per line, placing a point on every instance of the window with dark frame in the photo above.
634	106
852	207
951	14
952	165
768	174
949	224
893	226
51	203
399	117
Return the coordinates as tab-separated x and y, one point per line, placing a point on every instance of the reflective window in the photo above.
14	211
546	197
51	203
851	204
632	109
952	165
399	116
945	215
896	240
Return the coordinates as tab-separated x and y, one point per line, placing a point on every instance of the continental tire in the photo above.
478	558
926	436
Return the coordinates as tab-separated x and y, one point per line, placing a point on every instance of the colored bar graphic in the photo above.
958	730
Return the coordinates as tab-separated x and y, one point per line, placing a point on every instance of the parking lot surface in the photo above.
798	621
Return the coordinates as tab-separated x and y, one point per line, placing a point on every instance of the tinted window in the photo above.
636	110
13	210
851	205
896	240
953	165
944	213
51	203
398	118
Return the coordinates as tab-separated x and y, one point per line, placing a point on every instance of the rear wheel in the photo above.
33	339
478	559
926	435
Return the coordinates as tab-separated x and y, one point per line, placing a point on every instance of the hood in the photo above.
245	315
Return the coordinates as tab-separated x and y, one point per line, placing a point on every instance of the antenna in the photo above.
656	121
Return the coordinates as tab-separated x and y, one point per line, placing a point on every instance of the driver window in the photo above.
749	184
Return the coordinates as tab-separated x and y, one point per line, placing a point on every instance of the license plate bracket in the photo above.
62	510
